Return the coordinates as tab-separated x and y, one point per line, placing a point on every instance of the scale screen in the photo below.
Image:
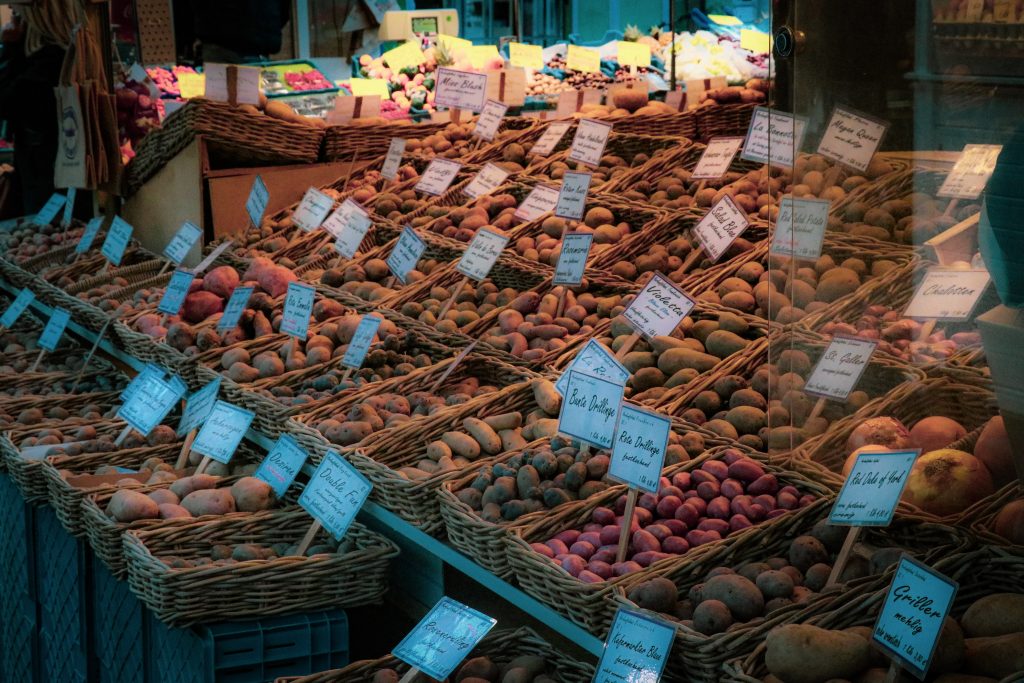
424	25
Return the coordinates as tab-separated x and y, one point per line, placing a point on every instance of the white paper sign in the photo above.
438	176
572	259
348	108
969	176
590	409
571	101
406	254
481	254
490	118
247	83
550	138
873	488
357	224
659	308
839	369
312	210
69	207
182	242
852	138
720	227
281	465
800	227
88	235
256	204
717	158
393	159
950	295
572	198
595	360
334	494
541	200
460	89
774	137
486	181
589	142
638	454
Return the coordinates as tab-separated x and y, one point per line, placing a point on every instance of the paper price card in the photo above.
912	615
717	158
312	210
357	224
246	84
191	85
800	227
393	159
638	454
636	650
550	138
149	405
348	108
581	58
572	198
774	137
541	200
362	338
720	227
222	431
852	138
438	176
117	240
182	242
659	308
589	142
234	309
480	56
69	207
256	204
444	638
50	209
597	361
572	259
969	176
873	488
526	56
88	235
406	254
334	494
570	102
298	306
175	292
17	307
839	369
452	43
481	254
54	329
281	465
950	295
486	181
368	87
633	54
460	89
148	372
198	407
490	118
406	54
590	409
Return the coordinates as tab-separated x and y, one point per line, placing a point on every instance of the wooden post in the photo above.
627	345
844	556
560	309
816	410
39	358
451	300
410	676
203	464
895	672
627	523
951	207
123	435
451	368
692	258
92	352
700	186
346	375
308	538
186	448
165	267
926	330
390	282
351	170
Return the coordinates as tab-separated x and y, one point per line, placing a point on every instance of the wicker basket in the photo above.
723	119
342	143
677	125
252	588
625	146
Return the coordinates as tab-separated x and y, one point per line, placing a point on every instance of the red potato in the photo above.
221	281
201	305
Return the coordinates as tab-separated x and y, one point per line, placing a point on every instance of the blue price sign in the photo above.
117	240
148	372
590	409
149	405
182	242
406	254
873	488
198	406
54	329
222	431
597	361
256	205
361	340
50	209
234	309
636	649
69	206
334	494
88	235
175	293
281	465
17	307
444	638
638	454
298	306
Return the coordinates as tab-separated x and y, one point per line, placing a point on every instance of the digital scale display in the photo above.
424	24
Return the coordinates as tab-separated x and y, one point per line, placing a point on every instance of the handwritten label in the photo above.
246	86
212	256
235	308
971	172
88	235
873	489
281	465
298	306
54	329
481	254
198	407
636	649
950	295
369	87
526	56
589	142
590	409
1004	10
50	209
222	431
443	638
774	137
149	405
839	369
541	200
638	454
720	227
312	210
572	259
351	235
438	176
406	254
393	159
460	89
633	54
17	307
716	159
117	240
453	43
486	181
584	59
572	198
490	118
852	138
597	361
175	292
550	138
973	10
800	227
69	207
659	308
182	242
148	371
334	494
405	55
912	615
362	338
256	204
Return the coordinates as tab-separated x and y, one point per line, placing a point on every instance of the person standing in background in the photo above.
238	31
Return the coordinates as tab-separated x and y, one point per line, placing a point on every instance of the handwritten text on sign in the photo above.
550	138
659	308
948	294
443	638
312	210
717	158
526	56
636	649
481	254
281	465
149	405
182	242
198	407
852	138
88	235
971	172
774	137
357	224
800	227
460	89
235	308
873	488
486	181
638	453
54	329
17	307
589	142
175	292
438	176
572	259
256	204
407	252
840	367
50	209
579	58
490	118
590	409
361	340
597	361
222	432
572	198
298	306
334	494
541	200
393	159
148	371
913	613
720	227
117	240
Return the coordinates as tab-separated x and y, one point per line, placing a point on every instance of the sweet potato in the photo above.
196	482
275	279
221	281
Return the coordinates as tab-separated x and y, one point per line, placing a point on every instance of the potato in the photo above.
478	667
462	444
132	506
201	305
209	502
221	281
196	482
164	497
994	615
488	439
252	494
171	511
997	656
711	617
740	595
800	653
547	397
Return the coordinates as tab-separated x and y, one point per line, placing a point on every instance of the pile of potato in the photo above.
522	669
197	495
221	555
28	240
546	246
454	141
668	259
472	303
461	223
913	220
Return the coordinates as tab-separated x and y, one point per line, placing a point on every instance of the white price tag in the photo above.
839	369
490	118
550	138
460	89
312	210
256	204
182	242
572	198
246	84
406	254
486	181
481	254
717	158
658	308
720	227
589	142
852	138
800	227
357	224
950	295
541	200
393	159
969	176
438	176
572	259
774	137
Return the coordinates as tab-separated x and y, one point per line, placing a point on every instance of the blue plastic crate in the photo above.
247	652
18	620
118	628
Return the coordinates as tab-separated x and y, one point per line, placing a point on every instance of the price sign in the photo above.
852	138
212	256
256	204
369	87
393	159
633	54
312	210
50	209
198	407
452	43
486	181
800	227
490	118
17	307
54	329
572	259
584	59
444	638
590	409
720	227
918	602
175	292
550	138
438	176
460	89
348	108
362	338
88	235
481	254
405	55
970	175
974	10
235	308
589	142
597	361
636	650
638	454
191	85
182	242
873	489
224	81
756	41
480	56
839	369
357	224
281	465
950	295
526	56
148	371
407	252
117	240
69	207
148	405
774	137
334	494
298	306
572	198
541	200
659	308
717	157
222	431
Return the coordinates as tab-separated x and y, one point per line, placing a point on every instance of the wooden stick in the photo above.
692	258
844	556
832	176
455	114
451	368
560	309
164	269
926	330
123	435
816	410
627	522
186	449
163	320
451	300
895	672
390	282
92	352
700	186
308	538
627	345
410	676
351	170
203	464
348	373
39	358
951	207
